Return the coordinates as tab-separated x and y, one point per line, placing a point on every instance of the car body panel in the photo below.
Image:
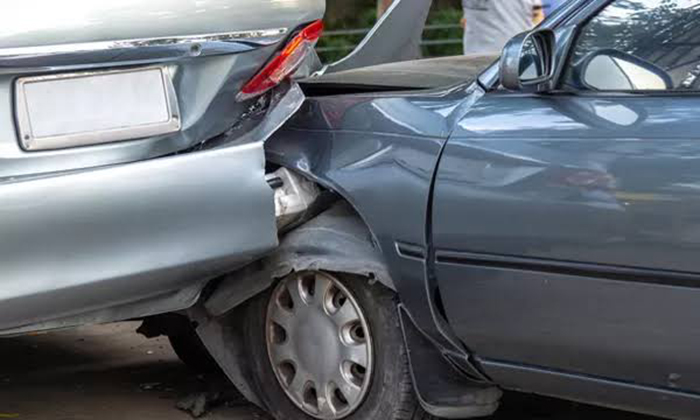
432	73
94	239
565	234
561	229
665	402
205	89
581	216
210	49
321	140
349	143
42	23
625	169
132	228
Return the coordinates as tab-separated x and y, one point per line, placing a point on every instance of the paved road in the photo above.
111	373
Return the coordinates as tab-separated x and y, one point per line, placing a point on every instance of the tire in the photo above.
389	393
190	349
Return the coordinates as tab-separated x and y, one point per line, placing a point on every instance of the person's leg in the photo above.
465	42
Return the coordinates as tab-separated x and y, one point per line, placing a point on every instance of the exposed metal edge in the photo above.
285	103
335	241
254	35
535	369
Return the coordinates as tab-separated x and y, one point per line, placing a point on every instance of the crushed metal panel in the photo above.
336	240
391	39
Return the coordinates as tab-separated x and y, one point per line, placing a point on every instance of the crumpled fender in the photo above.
337	240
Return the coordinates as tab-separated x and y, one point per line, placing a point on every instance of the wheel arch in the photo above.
337	240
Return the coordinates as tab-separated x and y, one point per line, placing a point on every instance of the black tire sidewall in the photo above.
385	395
191	351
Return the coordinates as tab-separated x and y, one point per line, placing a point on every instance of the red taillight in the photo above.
283	64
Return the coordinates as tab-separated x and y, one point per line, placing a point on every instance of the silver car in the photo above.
131	150
136	182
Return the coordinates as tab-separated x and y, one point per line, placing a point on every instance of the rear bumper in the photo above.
96	239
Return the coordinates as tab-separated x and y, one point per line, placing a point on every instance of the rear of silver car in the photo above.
131	169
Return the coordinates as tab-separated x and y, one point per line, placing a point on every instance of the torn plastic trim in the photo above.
263	118
281	110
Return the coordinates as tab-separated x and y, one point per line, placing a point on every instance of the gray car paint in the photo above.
348	143
206	86
607	183
566	241
122	230
42	22
560	229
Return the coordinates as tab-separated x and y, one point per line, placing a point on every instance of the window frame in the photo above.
563	21
580	21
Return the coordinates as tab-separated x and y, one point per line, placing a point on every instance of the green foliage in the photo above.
448	16
343	44
366	17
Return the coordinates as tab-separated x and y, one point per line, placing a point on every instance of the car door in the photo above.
566	225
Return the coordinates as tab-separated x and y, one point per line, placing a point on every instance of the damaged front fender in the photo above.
335	241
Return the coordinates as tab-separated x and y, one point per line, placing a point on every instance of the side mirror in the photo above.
527	62
613	70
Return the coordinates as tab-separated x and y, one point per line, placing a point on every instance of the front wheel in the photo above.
327	347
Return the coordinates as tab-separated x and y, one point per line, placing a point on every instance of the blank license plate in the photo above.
82	109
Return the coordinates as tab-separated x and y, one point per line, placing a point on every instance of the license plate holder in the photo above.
89	108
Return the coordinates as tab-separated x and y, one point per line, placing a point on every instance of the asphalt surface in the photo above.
111	373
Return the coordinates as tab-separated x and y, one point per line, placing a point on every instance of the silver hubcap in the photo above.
319	344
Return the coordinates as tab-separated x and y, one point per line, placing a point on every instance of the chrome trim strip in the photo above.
264	36
66	57
30	142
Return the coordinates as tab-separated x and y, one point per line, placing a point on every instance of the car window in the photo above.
638	45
